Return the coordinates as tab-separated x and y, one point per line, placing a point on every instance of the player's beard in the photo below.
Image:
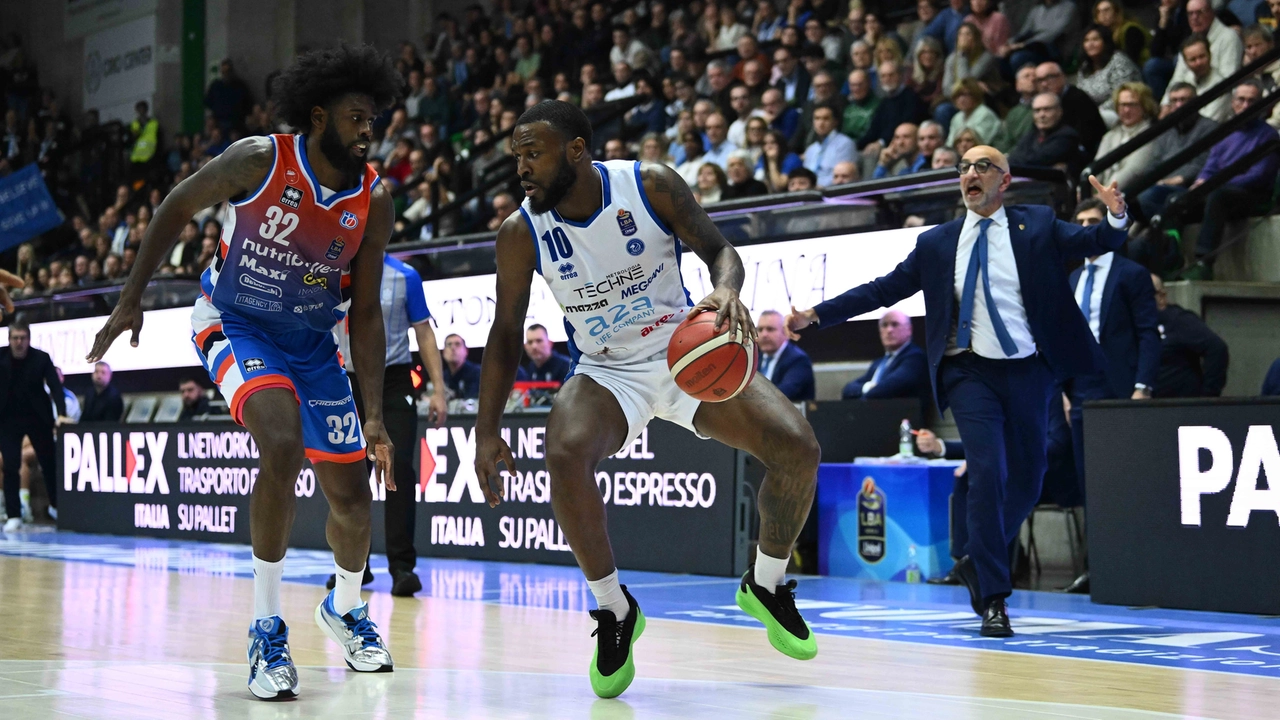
566	176
339	155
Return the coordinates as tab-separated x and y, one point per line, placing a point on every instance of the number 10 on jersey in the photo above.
558	246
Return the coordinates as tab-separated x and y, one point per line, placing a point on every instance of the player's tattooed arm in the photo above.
675	205
237	172
516	261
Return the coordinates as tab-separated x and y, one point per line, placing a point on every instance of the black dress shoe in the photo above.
1079	586
968	575
951	578
995	621
405	584
368	578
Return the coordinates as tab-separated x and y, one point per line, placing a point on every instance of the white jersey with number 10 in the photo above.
616	276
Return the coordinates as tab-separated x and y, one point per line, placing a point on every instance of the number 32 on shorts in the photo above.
343	429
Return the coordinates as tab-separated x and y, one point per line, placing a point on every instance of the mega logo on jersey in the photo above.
115	462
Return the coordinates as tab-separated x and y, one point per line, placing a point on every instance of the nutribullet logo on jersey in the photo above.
566	271
291	197
349	220
115	462
335	249
627	224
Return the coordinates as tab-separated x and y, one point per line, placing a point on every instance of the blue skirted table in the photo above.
885	518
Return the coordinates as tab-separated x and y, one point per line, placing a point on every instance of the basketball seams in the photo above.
714	381
699	351
703	347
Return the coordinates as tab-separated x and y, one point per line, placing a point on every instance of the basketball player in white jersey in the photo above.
603	236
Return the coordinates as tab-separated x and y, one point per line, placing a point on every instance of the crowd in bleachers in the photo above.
741	99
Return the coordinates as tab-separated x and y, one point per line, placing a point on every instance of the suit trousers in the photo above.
1001	409
1084	389
400	509
11	433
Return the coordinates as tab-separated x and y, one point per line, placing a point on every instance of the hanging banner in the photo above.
26	209
120	69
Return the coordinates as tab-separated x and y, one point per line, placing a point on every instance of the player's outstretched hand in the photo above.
798	320
729	309
489	451
381	452
9	280
125	316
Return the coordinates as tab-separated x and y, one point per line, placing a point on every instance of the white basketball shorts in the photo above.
644	390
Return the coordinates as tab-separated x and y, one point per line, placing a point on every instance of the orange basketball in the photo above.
711	366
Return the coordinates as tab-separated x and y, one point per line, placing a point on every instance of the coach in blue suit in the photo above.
782	362
903	370
1001	327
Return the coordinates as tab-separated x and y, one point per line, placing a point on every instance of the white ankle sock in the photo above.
24	497
266	587
770	571
346	589
609	595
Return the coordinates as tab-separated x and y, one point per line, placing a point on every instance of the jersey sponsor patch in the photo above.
349	220
317	282
566	271
254	365
291	197
635	246
627	224
267	288
258	303
335	247
291	176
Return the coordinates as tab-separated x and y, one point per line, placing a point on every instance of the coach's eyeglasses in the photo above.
982	166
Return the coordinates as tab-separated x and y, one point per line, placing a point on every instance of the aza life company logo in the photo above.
115	462
1258	457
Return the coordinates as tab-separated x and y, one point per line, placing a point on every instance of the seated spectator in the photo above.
688	169
824	92
776	163
1103	69
461	376
781	117
194	402
967	140
740	182
615	149
860	58
898	104
1225	46
971	112
861	106
1127	34
815	33
844	173
1154	199
946	22
105	404
711	183
542	363
729	30
1050	142
782	362
1258	41
802	179
1018	121
927	67
829	146
1136	109
748	51
650	116
900	155
1078	110
757	128
789	76
903	371
718	145
624	85
1196	68
627	49
654	150
992	23
741	102
971	60
1042	30
1243	194
1193	359
1271	383
755	78
503	205
766	24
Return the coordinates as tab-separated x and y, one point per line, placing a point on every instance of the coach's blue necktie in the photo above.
1086	301
978	264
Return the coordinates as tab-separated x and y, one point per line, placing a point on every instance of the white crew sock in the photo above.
346	589
266	587
770	571
24	496
609	595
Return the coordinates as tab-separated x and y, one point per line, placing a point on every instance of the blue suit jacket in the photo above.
1128	327
793	373
1041	246
907	376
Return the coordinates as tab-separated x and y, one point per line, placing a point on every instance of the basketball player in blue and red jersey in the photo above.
604	237
307	223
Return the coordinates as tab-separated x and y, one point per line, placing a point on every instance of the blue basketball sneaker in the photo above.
356	634
271	672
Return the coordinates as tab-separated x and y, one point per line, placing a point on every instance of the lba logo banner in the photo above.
120	462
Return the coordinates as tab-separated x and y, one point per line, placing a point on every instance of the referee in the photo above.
404	308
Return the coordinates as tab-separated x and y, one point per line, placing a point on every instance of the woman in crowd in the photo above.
653	149
927	71
1127	34
967	97
991	23
1136	109
967	140
776	162
1103	70
740	183
729	30
887	50
528	60
711	184
757	130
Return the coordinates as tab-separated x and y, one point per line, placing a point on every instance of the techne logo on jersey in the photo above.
566	271
626	223
267	288
349	220
115	462
291	197
1258	457
615	279
335	248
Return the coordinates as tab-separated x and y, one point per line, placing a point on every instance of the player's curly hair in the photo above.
320	77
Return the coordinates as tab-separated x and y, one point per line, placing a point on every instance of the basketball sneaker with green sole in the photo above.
612	667
788	632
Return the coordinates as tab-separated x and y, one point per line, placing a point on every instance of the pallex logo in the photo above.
1259	456
434	466
115	462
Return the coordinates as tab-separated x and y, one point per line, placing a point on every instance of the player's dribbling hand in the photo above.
381	452
729	309
9	280
125	316
489	451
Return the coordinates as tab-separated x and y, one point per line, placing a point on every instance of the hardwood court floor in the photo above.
114	639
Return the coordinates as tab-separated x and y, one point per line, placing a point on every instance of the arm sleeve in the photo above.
415	300
798	375
55	388
953	449
1076	241
900	284
1146	322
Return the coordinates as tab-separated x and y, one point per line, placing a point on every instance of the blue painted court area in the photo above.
1045	623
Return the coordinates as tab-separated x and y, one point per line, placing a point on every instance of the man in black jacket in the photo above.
1193	359
25	410
1078	109
1050	143
105	405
